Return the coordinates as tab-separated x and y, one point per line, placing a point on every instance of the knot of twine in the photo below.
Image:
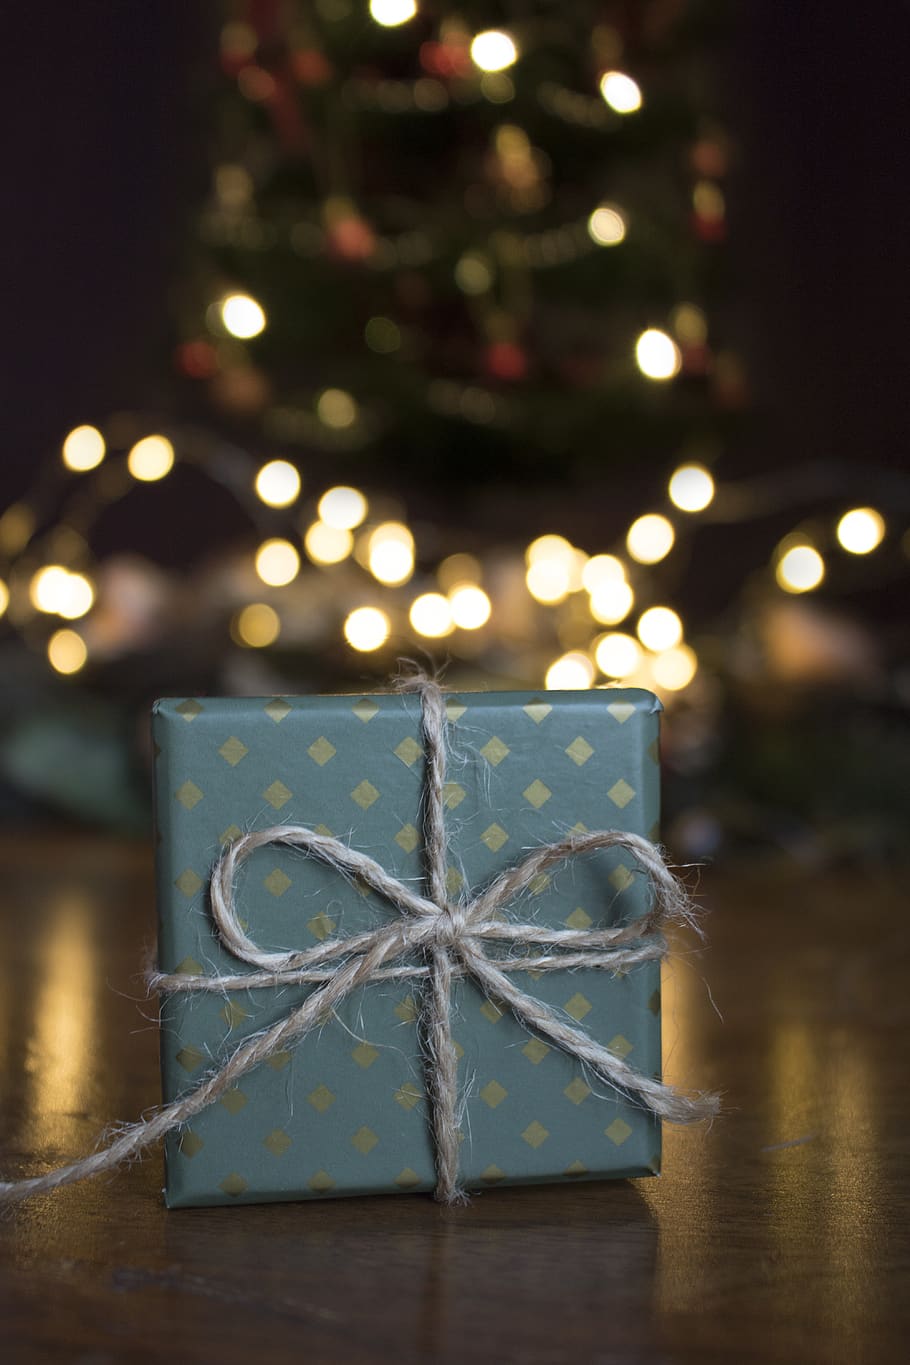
447	936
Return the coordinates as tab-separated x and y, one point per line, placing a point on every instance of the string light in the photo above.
861	530
617	655
549	580
391	13
66	651
327	544
367	628
800	569
621	93
83	449
382	335
391	553
278	483
691	488
548	547
493	51
257	626
342	508
277	562
571	672
606	226
673	669
659	628
457	570
336	408
657	355
611	601
48	587
471	607
78	597
431	615
150	459
473	273
650	538
602	569
242	316
4	597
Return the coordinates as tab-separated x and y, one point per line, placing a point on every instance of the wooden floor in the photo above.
779	1235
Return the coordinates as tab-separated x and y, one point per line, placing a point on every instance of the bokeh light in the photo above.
78	597
458	569
4	597
621	93
257	626
471	607
617	655
861	530
382	335
800	569
431	615
278	483
391	13
277	562
83	449
571	672
150	459
650	538
493	51
673	669
691	488
391	553
549	580
659	628
606	226
66	651
336	408
657	355
327	544
342	508
367	628
242	316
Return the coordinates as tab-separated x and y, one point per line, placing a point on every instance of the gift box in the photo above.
344	1111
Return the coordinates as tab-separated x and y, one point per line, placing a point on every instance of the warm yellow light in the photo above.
606	226
549	547
572	672
327	544
458	569
470	606
66	651
382	335
257	626
391	553
48	588
675	668
659	628
277	562
650	538
473	273
549	580
278	483
78	597
83	449
602	569
657	355
620	91
336	408
690	324
242	316
611	601
342	508
617	655
493	51
800	569
691	488
861	530
4	597
391	13
367	628
431	614
150	459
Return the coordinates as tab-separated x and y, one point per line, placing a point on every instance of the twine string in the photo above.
446	937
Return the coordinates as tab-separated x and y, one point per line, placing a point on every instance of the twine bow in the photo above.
447	937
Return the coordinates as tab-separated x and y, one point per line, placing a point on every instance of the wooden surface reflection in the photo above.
777	1236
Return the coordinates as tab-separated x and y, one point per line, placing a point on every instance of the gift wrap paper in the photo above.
345	1112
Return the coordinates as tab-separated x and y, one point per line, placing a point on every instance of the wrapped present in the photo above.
362	1098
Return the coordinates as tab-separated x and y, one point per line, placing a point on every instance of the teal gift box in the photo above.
345	1111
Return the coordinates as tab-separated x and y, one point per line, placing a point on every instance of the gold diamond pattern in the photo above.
408	1095
364	794
365	710
407	1179
364	1140
621	711
452	795
579	750
407	838
537	710
277	1142
189	795
234	1100
491	1011
365	1054
321	1183
234	1014
493	1094
618	1132
494	751
578	1006
228	835
189	709
494	836
539	883
233	750
188	882
454	880
492	1175
279	1060
320	926
621	793
579	919
537	794
321	750
233	1184
277	882
535	1134
621	877
576	1169
277	794
190	1057
620	1045
191	1143
277	710
454	709
188	967
408	751
577	1091
406	1010
535	1050
321	1098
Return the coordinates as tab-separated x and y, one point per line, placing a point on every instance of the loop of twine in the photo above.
449	937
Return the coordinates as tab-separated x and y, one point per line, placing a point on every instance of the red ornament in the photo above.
350	239
196	359
506	360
